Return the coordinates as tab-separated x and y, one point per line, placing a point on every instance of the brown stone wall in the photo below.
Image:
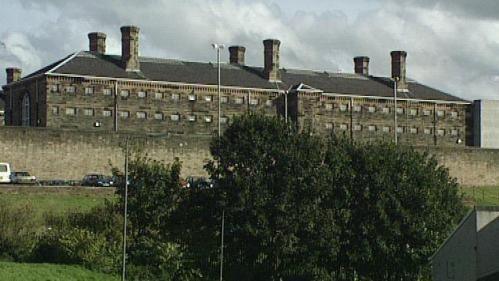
35	90
70	154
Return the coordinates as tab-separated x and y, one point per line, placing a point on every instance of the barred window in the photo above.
158	116
426	112
208	119
440	113
400	129
55	110
54	88
141	94
191	118
224	119
124	93
385	110
427	131
372	128
175	97
343	107
88	112
192	97
329	126
414	130
224	99
371	109
454	132
89	91
400	110
453	114
175	117
208	98
253	101
386	129
343	127
268	103
357	127
70	111
106	92
141	115
328	106
239	100
107	113
413	112
441	132
124	114
70	89
357	108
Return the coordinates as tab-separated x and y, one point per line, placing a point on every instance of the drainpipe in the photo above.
115	106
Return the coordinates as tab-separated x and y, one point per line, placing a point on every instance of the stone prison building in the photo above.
94	90
70	117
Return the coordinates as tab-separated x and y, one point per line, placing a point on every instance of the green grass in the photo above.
481	196
49	272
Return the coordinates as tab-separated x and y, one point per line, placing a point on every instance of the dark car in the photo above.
97	180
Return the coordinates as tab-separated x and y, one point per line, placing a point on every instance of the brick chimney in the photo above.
13	74
399	69
271	57
361	65
237	54
97	42
130	48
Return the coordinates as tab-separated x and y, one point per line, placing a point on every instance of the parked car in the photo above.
4	173
97	180
22	178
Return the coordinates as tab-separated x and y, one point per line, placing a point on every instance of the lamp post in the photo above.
395	136
219	48
123	273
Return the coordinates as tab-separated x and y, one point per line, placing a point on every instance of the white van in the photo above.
4	173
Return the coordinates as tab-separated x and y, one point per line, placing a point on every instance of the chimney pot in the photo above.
361	65
130	48
399	69
237	54
97	42
271	59
13	74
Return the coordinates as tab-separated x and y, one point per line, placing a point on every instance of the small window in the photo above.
329	126
224	120
191	118
427	131
141	115
208	119
343	127
175	117
357	127
414	130
343	107
70	89
371	109
357	108
192	97
413	112
55	110
89	91
159	96
158	116
71	111
239	100
224	99
88	112
372	128
54	88
176	97
208	98
426	112
107	113
386	129
454	132
124	93
124	114
440	113
385	110
141	94
400	130
268	103
253	101
400	110
328	106
441	132
107	92
453	114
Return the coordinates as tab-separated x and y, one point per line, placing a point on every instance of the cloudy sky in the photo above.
452	45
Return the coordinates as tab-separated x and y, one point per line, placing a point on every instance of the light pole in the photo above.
395	136
219	48
125	212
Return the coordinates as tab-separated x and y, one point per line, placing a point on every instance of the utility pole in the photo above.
123	278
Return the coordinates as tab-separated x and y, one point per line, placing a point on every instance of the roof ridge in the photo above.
68	58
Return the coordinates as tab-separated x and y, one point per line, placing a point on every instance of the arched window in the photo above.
26	110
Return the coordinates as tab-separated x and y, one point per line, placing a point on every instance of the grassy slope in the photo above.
49	272
484	196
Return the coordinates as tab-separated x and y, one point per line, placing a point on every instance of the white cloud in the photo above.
445	49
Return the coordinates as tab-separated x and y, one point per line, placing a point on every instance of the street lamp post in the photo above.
123	273
219	47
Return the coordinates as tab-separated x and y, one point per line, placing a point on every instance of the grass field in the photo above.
481	196
56	199
49	272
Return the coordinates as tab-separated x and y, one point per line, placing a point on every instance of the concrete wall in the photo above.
486	123
456	259
69	153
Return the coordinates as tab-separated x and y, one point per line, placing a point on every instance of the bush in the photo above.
17	231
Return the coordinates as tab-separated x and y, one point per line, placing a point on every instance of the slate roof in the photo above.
154	69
